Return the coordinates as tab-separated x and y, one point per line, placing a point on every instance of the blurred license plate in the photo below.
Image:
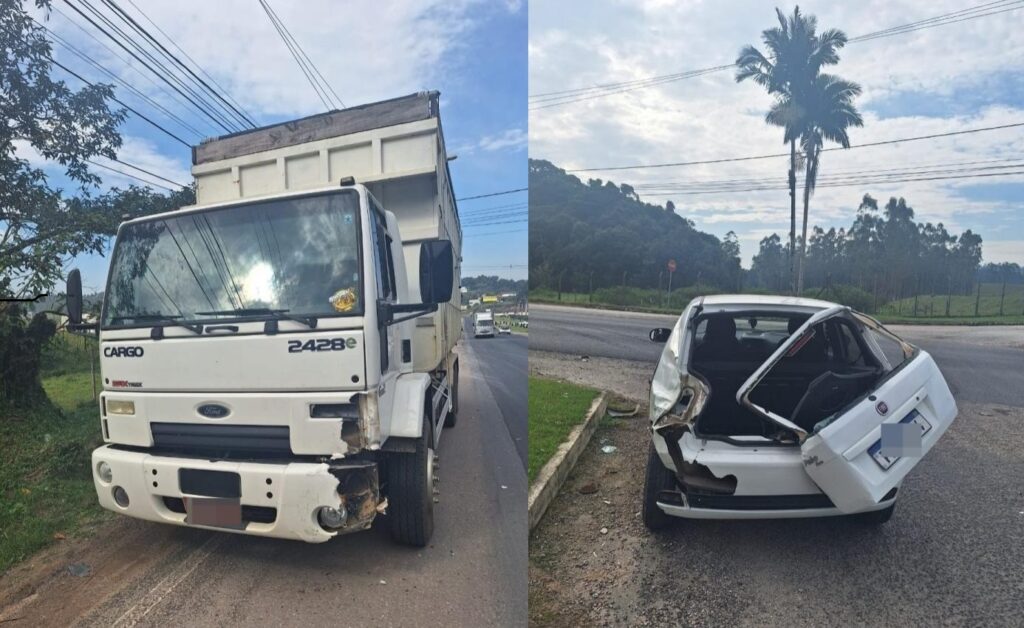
220	512
915	419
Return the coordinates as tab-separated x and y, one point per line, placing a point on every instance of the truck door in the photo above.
873	411
387	291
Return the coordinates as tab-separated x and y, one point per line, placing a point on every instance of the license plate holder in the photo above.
218	512
913	418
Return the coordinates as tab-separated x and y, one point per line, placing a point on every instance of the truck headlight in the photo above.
119	406
104	472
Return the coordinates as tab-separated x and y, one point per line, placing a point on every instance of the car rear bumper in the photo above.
278	499
676	504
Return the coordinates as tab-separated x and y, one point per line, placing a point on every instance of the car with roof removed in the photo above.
777	407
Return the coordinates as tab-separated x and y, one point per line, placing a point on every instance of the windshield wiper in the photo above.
308	321
158	330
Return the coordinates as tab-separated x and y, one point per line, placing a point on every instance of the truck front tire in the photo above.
411	482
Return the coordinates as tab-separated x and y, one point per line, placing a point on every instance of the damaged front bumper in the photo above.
283	500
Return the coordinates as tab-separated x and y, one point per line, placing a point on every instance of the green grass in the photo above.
45	481
554	408
962	306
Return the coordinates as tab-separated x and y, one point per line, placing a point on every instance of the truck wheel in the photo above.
657	479
451	417
411	483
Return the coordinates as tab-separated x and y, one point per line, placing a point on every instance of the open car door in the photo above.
863	449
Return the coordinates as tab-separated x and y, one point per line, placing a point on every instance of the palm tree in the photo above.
829	113
795	56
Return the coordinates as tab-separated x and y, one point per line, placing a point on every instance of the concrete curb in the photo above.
552	476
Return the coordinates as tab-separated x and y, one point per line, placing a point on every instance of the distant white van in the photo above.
483	325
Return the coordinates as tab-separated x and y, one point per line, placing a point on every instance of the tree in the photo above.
795	56
828	112
38	228
670	207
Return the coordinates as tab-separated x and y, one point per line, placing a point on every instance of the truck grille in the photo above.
269	440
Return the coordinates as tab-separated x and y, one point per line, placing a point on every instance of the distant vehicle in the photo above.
504	330
774	407
483	325
524	324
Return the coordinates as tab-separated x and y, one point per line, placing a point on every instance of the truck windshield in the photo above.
297	255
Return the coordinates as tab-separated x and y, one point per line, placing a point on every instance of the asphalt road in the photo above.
502	363
952	554
981	364
472	573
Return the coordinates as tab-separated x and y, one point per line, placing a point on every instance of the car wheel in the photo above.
876	517
411	484
657	478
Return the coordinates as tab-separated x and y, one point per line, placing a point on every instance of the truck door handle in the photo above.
212	328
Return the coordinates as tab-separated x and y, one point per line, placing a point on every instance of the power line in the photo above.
842	184
85	57
776	155
301	50
194	62
118	101
320	91
195	87
129	175
839	174
150	173
493	233
128	64
166	76
565	97
470	198
227	106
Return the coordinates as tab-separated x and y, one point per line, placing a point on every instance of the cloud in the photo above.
713	117
366	50
515	139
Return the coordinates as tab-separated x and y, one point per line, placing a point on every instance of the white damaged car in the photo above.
773	407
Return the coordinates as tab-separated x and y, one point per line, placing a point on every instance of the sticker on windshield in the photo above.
344	300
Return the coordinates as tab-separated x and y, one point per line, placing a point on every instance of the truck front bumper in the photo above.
277	499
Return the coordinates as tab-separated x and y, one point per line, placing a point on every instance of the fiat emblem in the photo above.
882	408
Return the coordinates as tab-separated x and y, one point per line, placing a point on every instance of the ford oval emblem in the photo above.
213	410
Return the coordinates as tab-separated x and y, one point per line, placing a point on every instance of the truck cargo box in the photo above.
395	147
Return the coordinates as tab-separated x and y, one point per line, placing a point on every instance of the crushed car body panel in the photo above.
828	466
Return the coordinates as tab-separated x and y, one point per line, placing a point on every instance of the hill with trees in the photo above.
587	236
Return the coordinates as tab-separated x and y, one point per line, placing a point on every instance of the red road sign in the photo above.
671	266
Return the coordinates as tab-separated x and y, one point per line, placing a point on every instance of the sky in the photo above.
964	75
367	51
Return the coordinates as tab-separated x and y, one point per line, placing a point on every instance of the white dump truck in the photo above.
279	359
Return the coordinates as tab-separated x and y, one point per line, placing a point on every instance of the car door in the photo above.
910	405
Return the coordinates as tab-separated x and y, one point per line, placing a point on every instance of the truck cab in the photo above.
264	365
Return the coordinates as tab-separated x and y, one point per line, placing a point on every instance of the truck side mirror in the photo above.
74	297
437	265
660	334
